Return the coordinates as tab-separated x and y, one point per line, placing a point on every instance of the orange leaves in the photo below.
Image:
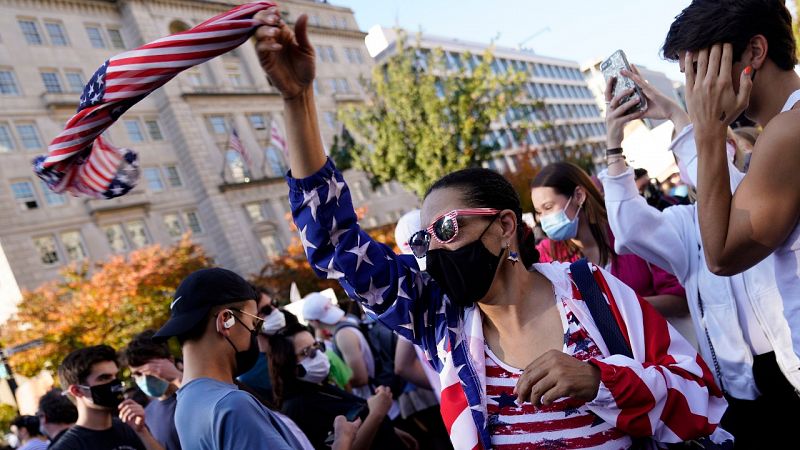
108	303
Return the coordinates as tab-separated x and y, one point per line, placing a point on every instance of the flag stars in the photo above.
361	253
304	240
311	199
334	189
374	295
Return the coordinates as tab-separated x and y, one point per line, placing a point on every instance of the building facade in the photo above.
190	180
558	101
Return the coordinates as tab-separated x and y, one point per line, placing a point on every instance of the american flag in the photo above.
79	160
235	144
277	139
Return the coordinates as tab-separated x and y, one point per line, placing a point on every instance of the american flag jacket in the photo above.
666	392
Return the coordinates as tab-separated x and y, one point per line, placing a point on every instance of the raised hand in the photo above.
286	56
132	414
164	369
659	106
555	375
713	103
381	401
344	433
617	114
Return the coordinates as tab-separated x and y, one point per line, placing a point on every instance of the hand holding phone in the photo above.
612	67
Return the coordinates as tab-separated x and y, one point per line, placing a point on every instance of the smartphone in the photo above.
359	412
612	67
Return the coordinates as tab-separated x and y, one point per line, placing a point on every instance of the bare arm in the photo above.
348	343
669	305
742	229
408	366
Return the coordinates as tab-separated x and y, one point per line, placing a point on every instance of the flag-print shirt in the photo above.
665	391
566	423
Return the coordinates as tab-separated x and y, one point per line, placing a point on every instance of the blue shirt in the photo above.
212	415
160	418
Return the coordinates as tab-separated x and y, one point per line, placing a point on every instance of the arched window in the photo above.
177	26
239	171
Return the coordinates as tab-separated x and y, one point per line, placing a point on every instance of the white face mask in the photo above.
273	322
317	368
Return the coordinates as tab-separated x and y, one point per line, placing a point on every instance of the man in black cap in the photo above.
214	317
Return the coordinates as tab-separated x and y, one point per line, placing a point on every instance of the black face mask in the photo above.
109	395
465	274
246	359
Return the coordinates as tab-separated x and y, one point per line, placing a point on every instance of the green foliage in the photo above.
7	415
426	117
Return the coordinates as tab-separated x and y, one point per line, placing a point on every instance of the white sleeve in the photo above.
685	149
655	236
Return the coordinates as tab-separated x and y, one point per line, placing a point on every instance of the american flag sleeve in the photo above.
388	285
667	391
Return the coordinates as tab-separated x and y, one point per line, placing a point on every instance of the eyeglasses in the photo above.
257	321
444	229
311	350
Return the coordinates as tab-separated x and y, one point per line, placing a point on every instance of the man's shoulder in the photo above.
781	132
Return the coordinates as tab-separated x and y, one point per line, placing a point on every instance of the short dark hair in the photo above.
142	349
707	22
57	408
484	188
639	173
29	423
77	366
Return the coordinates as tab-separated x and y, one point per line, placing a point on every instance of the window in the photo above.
8	83
75	81
153	177
116	38
343	85
238	169
6	141
173	176
29	136
50	197
276	163
31	32
154	130
193	222
254	211
51	82
116	238
234	75
218	124
271	245
354	56
173	225
195	76
327	53
134	131
343	23
73	245
313	20
95	37
46	246
330	119
55	31
137	233
257	121
24	195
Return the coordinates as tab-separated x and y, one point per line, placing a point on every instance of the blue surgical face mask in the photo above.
152	386
558	226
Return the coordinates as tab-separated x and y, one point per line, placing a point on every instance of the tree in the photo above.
108	305
292	267
521	179
428	114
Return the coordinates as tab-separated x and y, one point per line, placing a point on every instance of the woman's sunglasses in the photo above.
444	229
311	350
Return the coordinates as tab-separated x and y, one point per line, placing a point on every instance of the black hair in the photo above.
707	22
29	423
639	173
142	349
77	366
283	361
56	408
484	188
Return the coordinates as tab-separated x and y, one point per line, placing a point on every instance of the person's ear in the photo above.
579	196
508	222
75	391
224	322
756	51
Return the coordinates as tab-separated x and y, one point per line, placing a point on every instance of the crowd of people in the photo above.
640	321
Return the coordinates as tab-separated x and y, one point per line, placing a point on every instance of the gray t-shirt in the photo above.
160	418
212	415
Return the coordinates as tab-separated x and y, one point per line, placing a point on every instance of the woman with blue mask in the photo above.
572	213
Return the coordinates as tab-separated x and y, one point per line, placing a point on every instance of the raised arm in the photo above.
742	229
388	285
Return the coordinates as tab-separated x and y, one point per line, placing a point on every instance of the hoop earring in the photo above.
512	255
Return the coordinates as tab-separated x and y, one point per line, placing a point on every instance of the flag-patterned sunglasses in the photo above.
444	229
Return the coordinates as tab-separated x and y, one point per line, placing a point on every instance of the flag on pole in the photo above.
79	160
278	140
236	145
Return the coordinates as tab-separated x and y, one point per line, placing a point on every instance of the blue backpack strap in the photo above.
601	312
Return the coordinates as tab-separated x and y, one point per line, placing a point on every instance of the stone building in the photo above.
190	180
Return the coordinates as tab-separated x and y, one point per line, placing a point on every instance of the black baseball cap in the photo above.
198	293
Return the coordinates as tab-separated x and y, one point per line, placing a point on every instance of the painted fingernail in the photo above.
748	70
